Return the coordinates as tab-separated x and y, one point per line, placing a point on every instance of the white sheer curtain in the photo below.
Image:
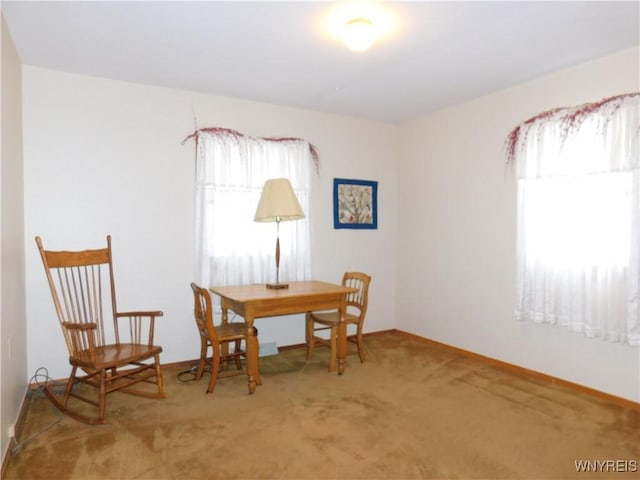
231	169
578	219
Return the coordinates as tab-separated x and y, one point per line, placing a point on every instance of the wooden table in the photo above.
256	301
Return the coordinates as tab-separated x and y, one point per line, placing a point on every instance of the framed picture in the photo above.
355	203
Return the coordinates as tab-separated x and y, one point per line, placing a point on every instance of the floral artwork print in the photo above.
355	204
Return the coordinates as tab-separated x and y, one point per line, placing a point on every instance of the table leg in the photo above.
252	357
224	348
342	341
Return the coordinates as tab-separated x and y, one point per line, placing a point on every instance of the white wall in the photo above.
457	218
102	156
105	157
13	344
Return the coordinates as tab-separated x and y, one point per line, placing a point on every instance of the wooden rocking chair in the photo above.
78	281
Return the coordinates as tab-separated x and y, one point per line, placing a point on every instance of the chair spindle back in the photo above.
203	313
359	298
81	284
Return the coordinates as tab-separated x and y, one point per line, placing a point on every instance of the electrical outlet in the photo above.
12	431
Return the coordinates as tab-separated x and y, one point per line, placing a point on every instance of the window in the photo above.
578	216
231	169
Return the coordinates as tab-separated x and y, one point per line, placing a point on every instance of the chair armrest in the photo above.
135	324
80	336
155	313
79	326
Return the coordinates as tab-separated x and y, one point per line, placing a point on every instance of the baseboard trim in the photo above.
13	443
7	456
368	334
525	372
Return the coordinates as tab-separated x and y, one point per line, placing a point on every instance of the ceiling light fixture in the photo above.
359	34
358	25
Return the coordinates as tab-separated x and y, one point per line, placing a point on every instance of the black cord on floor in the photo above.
188	375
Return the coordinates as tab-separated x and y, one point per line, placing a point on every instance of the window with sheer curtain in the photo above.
231	168
578	218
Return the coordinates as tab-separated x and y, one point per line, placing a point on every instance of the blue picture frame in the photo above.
355	204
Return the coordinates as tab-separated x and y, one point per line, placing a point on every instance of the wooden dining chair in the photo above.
102	360
356	312
218	338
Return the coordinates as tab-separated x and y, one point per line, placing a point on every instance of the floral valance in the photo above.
233	134
569	120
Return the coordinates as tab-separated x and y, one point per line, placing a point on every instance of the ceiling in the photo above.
434	55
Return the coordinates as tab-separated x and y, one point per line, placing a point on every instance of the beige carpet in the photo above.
413	410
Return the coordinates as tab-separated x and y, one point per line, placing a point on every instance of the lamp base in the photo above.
277	286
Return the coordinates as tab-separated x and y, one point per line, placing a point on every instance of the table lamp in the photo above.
278	203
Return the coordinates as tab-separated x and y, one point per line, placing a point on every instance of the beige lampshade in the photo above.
278	202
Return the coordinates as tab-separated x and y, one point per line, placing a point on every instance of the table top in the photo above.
259	291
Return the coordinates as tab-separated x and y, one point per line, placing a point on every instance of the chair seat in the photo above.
110	356
333	318
232	331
